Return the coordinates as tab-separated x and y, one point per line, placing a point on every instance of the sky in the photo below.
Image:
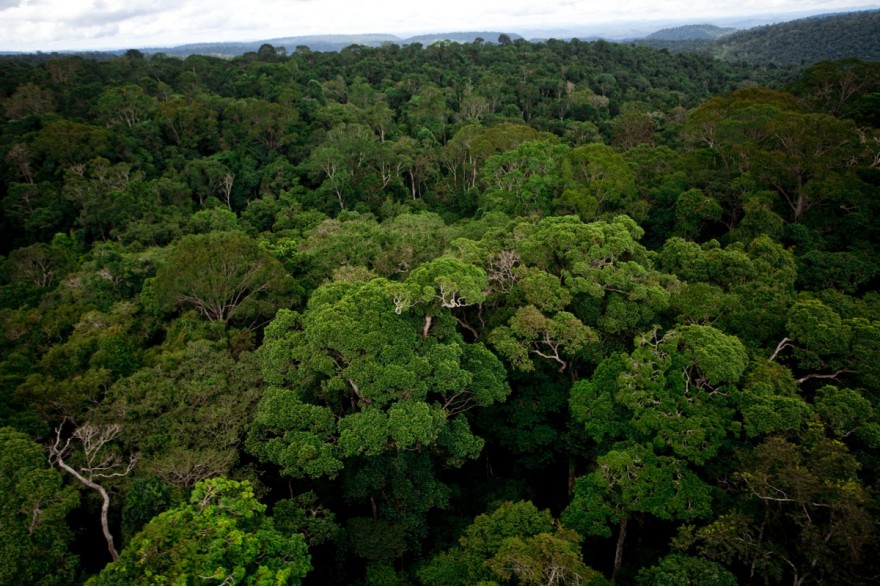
57	25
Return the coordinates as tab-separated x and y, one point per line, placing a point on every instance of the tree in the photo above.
222	536
223	275
807	148
800	511
126	104
39	265
261	125
187	414
677	569
628	480
515	544
598	181
33	530
361	387
28	99
603	262
344	161
524	180
353	355
660	411
99	462
560	338
190	125
64	145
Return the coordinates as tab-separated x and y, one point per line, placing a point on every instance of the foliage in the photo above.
515	544
223	275
400	293
34	537
221	536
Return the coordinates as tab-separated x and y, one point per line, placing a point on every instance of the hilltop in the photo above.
803	41
692	32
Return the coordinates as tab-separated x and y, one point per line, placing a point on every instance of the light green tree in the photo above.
222	536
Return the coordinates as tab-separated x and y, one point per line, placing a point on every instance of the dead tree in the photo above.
97	463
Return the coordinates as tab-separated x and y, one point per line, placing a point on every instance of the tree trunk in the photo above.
618	552
105	505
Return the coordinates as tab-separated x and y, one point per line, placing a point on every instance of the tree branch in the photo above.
826	376
785	343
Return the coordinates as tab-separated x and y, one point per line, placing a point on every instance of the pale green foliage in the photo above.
721	358
701	303
567	242
448	282
546	558
524	180
222	536
708	263
675	392
757	281
602	260
559	338
544	291
301	446
817	328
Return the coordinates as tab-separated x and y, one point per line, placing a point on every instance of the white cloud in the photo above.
93	24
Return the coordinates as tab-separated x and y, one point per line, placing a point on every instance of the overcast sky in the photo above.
49	25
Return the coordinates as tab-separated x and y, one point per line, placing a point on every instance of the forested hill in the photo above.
804	41
808	40
691	32
484	313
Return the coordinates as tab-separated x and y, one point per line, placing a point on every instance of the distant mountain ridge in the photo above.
692	32
803	41
326	43
808	40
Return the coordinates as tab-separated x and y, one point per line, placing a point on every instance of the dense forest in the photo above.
481	313
805	41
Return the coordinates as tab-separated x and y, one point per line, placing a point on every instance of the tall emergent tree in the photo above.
226	276
374	380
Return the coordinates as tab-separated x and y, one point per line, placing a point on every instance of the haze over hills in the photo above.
759	38
329	42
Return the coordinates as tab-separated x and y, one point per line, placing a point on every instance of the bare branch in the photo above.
93	439
831	375
785	343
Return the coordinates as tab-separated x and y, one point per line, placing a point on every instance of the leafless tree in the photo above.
97	463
